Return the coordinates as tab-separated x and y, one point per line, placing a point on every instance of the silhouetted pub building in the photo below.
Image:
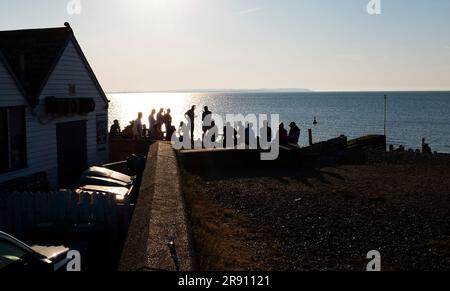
53	111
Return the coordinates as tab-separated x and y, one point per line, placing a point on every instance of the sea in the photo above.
407	117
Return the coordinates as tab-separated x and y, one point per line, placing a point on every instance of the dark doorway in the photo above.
72	152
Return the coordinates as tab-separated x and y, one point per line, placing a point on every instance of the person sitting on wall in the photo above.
156	133
265	134
170	131
127	132
180	131
283	135
115	129
294	133
426	149
144	131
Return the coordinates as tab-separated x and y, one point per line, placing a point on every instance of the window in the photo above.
12	139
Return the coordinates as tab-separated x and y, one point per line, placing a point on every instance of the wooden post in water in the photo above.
310	137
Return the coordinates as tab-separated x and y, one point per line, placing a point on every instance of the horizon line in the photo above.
274	90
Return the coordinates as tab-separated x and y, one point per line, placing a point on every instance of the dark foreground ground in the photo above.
324	219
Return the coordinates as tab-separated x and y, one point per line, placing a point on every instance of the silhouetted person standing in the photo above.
168	120
241	133
294	133
160	117
249	134
214	128
190	116
206	120
267	130
152	119
227	139
137	127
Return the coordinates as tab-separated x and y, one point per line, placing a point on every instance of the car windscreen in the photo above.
10	254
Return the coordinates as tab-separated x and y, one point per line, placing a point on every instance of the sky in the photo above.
324	45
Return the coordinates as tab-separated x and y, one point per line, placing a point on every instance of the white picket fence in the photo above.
21	212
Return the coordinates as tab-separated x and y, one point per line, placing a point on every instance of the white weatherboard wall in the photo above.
41	129
9	93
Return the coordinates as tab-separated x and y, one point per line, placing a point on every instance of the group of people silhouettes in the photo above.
163	117
230	137
293	136
138	130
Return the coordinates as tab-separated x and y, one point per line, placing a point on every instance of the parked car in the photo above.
110	174
119	192
102	180
16	256
106	177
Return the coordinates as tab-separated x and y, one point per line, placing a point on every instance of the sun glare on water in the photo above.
126	106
